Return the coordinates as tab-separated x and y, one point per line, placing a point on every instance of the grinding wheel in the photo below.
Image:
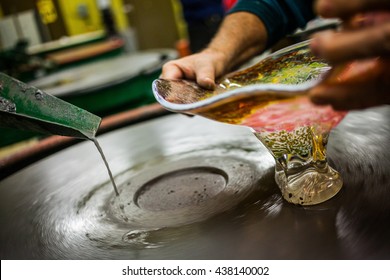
191	188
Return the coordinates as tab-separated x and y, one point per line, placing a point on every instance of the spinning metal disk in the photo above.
191	188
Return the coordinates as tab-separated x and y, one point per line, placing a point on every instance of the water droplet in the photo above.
140	238
11	108
23	87
135	235
39	95
6	105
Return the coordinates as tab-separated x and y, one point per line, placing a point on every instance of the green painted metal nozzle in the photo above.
28	108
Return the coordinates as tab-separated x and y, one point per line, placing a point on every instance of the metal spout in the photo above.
28	108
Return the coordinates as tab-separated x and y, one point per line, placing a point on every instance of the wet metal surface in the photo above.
196	189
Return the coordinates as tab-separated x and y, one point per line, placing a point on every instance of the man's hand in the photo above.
203	67
355	85
365	40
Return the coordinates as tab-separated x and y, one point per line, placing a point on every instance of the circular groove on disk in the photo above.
181	188
182	191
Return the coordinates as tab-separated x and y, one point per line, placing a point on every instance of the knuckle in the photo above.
168	65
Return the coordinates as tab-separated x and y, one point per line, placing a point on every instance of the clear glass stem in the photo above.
312	184
302	171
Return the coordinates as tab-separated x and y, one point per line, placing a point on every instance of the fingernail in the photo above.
208	83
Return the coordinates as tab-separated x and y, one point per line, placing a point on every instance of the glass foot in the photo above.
310	186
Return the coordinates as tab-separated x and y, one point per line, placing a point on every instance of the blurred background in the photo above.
40	36
99	55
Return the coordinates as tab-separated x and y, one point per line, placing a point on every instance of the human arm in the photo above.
241	36
252	26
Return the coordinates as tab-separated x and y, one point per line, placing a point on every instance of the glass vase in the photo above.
271	99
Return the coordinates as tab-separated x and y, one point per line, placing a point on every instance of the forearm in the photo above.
241	36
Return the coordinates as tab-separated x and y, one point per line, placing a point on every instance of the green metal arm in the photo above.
28	108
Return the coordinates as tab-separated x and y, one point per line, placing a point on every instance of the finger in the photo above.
206	76
206	82
171	71
338	97
342	97
343	8
353	44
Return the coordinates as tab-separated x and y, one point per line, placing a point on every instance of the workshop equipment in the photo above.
29	108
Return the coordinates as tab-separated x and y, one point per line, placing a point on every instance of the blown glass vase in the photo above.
271	99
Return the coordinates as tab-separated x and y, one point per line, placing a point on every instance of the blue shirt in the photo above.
200	10
280	17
